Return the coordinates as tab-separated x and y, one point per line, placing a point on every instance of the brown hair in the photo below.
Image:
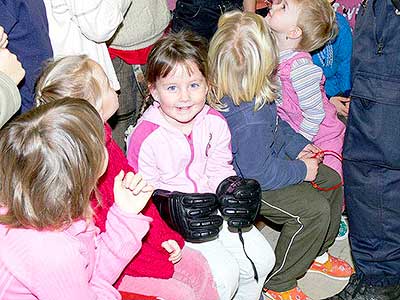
183	47
70	76
317	21
50	160
242	60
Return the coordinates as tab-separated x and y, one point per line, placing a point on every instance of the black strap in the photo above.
244	250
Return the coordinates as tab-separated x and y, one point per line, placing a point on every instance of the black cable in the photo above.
244	250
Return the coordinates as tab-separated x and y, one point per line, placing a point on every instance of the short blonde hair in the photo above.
317	21
50	160
70	76
242	60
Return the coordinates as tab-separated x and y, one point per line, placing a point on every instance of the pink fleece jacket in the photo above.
196	163
76	263
152	259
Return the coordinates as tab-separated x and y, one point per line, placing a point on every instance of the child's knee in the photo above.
261	253
331	177
227	280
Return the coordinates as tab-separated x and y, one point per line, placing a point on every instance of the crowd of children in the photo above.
219	89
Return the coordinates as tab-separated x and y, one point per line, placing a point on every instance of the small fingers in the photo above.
3	38
167	246
128	180
118	178
134	182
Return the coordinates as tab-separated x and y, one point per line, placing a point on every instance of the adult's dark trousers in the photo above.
371	172
130	99
201	16
310	222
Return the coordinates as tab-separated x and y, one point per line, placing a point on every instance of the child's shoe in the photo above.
334	268
293	294
343	229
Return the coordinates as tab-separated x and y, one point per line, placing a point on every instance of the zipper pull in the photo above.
379	50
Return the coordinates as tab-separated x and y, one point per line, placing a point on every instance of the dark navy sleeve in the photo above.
254	157
7	20
295	142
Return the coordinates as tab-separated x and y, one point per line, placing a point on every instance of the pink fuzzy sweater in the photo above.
152	259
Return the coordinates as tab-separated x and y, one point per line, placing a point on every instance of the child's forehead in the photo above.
185	68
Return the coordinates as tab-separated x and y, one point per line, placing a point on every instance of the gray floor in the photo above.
314	285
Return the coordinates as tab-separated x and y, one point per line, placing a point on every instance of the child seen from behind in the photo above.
243	60
51	159
164	266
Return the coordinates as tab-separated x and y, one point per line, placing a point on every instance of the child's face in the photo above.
181	95
109	97
283	15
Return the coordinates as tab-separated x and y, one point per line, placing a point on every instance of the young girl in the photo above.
301	27
242	62
181	144
50	161
163	267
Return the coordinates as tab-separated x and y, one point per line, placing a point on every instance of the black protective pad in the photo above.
193	215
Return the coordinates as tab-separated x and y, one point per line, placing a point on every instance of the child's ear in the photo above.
295	33
154	93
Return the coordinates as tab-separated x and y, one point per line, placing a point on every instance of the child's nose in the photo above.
185	94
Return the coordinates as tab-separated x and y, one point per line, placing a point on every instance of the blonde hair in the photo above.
70	76
317	21
50	160
242	60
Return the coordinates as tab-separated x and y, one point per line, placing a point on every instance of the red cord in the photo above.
336	186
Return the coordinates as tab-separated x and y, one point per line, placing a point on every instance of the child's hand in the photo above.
311	151
3	38
312	168
10	65
131	192
173	249
342	105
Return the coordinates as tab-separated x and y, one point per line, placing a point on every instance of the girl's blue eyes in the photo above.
173	88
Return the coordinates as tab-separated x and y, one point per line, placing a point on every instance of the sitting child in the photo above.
51	159
243	59
299	28
181	144
164	266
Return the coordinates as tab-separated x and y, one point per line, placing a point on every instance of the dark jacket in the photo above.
376	60
264	147
25	23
